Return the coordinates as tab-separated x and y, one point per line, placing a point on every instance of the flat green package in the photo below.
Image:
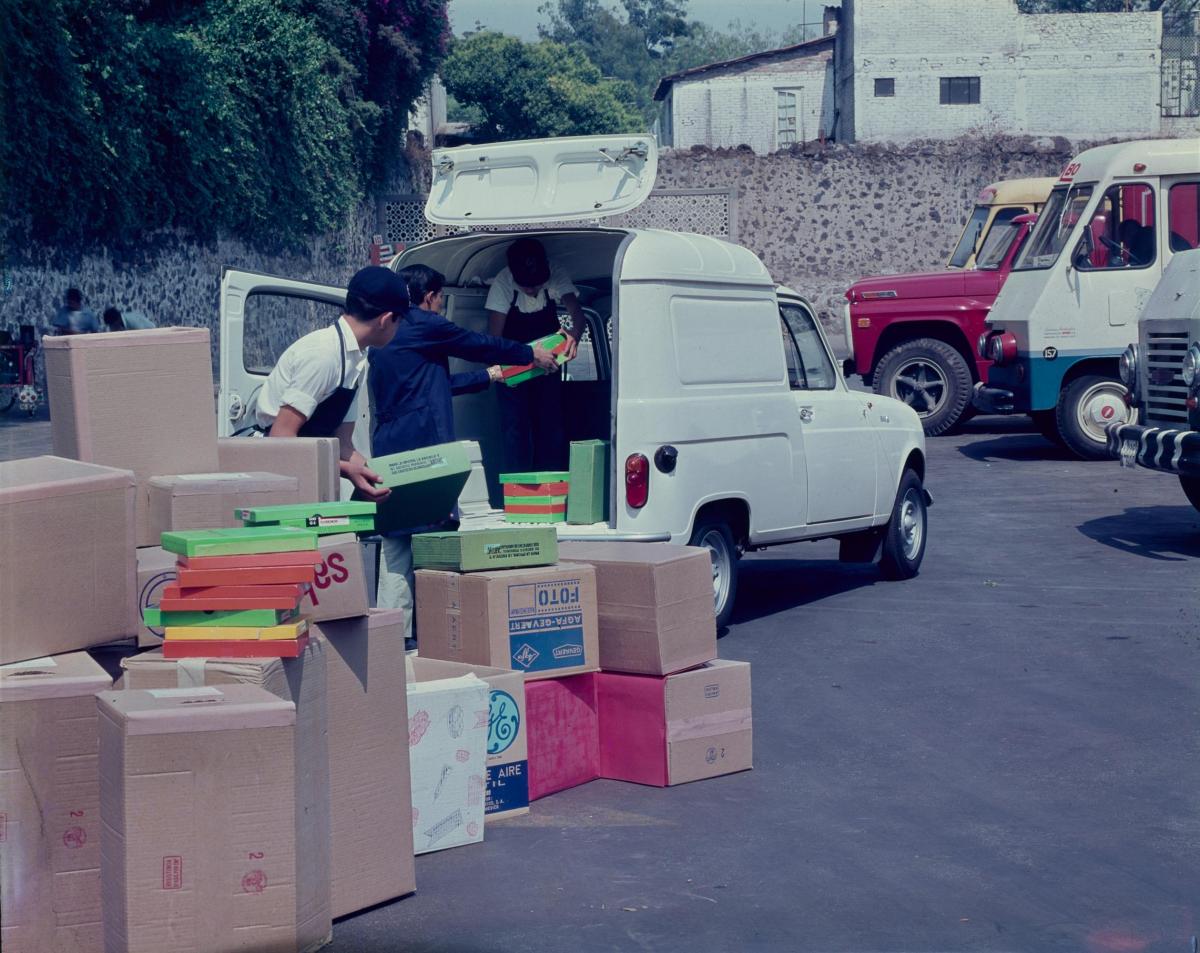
156	618
514	374
240	541
587	496
471	550
536	476
534	517
351	516
425	485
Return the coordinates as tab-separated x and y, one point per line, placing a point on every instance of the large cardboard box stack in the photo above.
209	500
50	805
67	552
507	743
302	683
368	759
141	400
205	841
312	460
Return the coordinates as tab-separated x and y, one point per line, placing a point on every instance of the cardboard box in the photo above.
50	805
425	485
539	621
587	496
66	548
369	778
447	739
678	728
140	400
155	571
209	500
198	799
507	750
302	682
502	547
340	589
654	602
564	734
241	540
314	461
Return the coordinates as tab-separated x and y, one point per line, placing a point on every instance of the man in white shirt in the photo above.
523	305
313	390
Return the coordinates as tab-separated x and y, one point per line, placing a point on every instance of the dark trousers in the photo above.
533	425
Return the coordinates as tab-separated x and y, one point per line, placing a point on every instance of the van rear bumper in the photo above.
1168	451
993	400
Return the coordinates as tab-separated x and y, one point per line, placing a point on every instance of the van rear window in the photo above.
726	340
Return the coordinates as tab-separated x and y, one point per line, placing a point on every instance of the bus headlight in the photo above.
981	346
1128	367
1001	348
1191	365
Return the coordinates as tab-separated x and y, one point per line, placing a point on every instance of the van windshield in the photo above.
1057	220
996	246
970	237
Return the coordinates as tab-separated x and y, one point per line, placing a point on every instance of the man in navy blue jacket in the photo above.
412	389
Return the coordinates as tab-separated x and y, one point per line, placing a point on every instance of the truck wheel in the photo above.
904	539
1087	407
1191	489
715	536
931	377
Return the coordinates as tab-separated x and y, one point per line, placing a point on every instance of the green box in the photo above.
550	342
155	617
535	517
245	540
425	485
324	519
587	495
534	500
537	476
471	550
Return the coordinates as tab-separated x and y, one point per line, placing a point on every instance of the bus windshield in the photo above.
1057	220
996	246
970	237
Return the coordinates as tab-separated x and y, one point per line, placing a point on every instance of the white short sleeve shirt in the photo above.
310	370
500	295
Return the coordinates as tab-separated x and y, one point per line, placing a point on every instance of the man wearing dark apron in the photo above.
523	306
313	389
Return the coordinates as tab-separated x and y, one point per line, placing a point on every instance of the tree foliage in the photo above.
535	90
267	119
1086	6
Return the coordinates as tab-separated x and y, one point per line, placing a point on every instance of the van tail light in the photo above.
637	480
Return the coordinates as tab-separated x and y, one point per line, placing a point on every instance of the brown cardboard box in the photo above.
540	621
155	569
340	589
507	750
369	780
50	805
209	500
654	602
141	400
301	681
313	460
198	797
66	548
677	728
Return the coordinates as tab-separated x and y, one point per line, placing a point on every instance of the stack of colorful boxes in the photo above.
514	374
237	593
535	497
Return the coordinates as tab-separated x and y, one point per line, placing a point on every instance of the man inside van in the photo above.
313	389
523	306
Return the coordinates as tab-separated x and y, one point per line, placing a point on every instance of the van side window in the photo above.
591	361
273	322
809	366
1122	231
1183	216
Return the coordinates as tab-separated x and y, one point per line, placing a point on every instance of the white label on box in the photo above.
43	662
201	691
328	521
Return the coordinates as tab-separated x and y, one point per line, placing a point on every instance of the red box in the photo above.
563	733
259	576
176	599
229	648
251	561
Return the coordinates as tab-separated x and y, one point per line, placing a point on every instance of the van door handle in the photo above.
806	414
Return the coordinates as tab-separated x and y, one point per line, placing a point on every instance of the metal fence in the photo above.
1181	59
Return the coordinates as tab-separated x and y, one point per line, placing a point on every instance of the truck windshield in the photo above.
1057	220
970	237
996	246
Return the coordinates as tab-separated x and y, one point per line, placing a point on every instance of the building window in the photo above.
960	90
785	107
885	87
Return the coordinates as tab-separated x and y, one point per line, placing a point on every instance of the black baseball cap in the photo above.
379	289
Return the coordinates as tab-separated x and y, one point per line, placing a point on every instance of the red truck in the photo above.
914	336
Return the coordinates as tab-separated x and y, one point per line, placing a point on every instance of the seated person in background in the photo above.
412	389
114	320
523	306
72	317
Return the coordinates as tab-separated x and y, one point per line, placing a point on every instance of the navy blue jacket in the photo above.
411	381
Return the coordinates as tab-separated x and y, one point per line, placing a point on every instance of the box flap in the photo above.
194	484
712	699
177	710
153	336
35	478
57	676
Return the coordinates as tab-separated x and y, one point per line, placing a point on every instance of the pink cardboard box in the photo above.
563	733
669	730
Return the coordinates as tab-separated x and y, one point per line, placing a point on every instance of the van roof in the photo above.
1160	157
1014	191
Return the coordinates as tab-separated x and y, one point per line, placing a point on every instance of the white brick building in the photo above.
898	70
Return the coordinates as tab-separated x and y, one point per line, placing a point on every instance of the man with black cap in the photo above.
313	389
523	306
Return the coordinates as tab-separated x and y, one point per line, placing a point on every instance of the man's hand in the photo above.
572	343
545	359
364	478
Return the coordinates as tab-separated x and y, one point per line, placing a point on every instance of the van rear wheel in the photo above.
907	530
715	536
1087	407
1191	489
932	378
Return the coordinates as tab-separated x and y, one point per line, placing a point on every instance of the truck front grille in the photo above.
1164	392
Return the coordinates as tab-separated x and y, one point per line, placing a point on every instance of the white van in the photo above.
1071	303
717	390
